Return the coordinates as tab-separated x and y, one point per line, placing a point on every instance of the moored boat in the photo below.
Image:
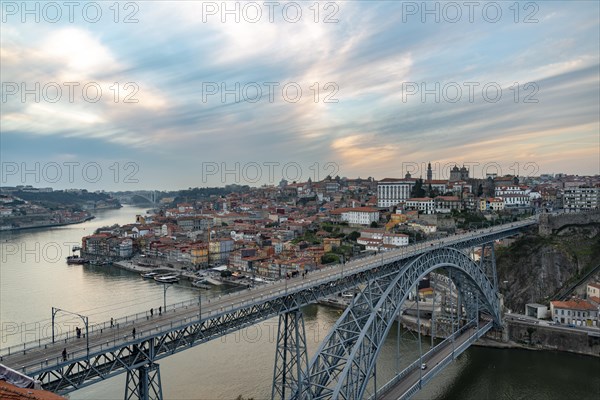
201	284
148	275
169	278
77	260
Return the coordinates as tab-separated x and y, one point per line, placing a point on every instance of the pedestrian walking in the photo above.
160	310
78	332
112	322
133	332
64	354
152	312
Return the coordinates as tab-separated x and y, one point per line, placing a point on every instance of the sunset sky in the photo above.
370	59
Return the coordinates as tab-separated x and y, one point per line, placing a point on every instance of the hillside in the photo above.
537	267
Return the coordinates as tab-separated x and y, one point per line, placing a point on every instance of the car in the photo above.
423	366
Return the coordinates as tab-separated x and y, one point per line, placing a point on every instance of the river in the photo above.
34	277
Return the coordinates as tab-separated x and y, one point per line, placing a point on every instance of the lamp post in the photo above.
85	320
165	287
199	306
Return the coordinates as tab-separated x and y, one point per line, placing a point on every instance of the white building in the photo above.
376	239
357	215
395	239
581	198
577	312
535	310
503	190
423	226
424	205
593	290
515	200
392	191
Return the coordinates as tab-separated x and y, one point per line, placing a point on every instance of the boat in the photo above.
201	284
169	278
213	281
77	260
148	275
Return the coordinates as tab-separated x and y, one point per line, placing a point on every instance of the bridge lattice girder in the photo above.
344	363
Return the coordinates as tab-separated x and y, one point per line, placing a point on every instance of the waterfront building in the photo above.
574	312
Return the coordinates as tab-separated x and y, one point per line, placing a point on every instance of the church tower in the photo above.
429	172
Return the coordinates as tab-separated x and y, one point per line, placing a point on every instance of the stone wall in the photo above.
549	222
553	338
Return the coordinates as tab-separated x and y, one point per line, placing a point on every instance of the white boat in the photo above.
149	275
213	281
169	278
201	284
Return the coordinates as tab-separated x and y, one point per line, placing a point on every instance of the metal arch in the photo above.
351	348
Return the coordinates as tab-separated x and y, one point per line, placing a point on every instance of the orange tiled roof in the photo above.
11	392
576	304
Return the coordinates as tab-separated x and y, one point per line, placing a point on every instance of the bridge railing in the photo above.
65	336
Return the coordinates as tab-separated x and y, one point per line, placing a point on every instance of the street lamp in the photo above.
85	320
165	287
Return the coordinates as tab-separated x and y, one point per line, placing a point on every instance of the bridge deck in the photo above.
43	355
414	377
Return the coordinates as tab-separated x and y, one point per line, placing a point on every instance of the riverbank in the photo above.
517	335
190	276
22	228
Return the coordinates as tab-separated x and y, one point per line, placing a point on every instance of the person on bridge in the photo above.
152	312
160	310
64	354
112	322
133	333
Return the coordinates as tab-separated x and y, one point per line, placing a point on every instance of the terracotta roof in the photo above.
11	392
355	209
576	304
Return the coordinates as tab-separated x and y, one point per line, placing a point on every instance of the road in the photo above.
396	391
43	353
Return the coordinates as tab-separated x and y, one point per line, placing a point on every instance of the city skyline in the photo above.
394	71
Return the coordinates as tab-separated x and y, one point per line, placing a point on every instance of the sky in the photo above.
170	95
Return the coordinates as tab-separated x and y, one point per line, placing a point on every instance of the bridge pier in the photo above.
144	383
291	358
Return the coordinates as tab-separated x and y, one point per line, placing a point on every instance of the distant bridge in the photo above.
345	362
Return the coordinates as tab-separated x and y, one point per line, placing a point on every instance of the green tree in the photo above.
417	190
329	258
374	224
353	236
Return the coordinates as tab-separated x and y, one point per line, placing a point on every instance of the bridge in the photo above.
344	364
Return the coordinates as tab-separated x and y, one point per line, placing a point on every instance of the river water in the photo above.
34	277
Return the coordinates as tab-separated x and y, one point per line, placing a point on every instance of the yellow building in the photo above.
328	243
199	254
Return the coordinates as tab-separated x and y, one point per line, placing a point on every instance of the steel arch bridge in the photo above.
345	361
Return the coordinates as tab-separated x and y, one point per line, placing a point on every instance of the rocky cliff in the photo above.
534	268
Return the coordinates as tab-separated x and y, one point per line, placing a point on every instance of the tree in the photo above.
354	235
374	224
417	190
480	190
329	258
